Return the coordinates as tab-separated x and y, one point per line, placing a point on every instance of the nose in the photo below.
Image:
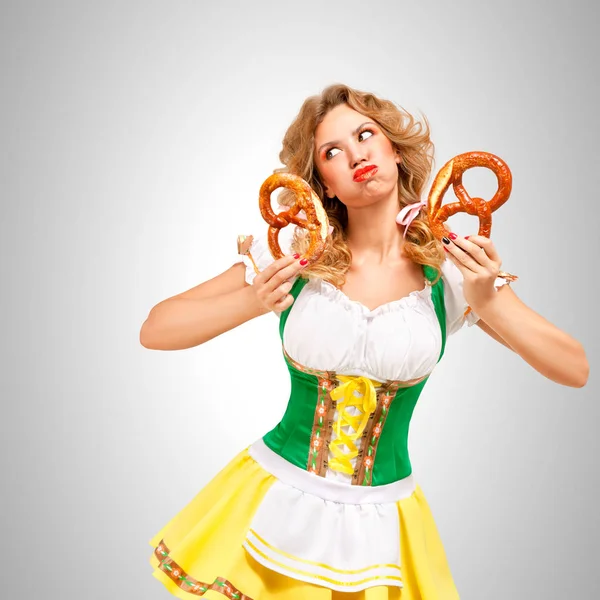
356	155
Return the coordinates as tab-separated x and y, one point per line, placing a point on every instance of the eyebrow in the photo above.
337	141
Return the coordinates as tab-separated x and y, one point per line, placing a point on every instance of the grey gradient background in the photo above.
135	136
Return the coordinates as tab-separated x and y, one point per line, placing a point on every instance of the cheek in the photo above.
382	144
328	174
393	154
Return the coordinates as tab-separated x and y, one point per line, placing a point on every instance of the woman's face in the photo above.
345	143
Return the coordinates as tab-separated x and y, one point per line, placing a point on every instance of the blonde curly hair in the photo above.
408	136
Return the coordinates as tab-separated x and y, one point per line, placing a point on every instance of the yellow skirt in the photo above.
200	553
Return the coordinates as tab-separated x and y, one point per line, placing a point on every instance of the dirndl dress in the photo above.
325	505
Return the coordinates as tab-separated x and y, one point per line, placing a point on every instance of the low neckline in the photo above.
424	292
386	305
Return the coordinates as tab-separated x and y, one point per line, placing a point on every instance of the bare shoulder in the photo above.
231	280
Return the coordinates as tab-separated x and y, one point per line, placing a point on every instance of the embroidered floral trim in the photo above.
363	474
188	584
322	425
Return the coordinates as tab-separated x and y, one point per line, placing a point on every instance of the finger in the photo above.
279	294
454	260
475	252
284	303
487	244
279	271
274	267
287	273
461	257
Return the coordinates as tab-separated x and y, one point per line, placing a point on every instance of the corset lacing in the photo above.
366	403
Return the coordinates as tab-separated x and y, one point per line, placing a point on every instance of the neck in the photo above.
373	234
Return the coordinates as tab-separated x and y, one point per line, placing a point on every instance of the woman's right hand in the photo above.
272	285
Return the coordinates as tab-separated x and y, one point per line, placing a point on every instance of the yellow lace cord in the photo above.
345	398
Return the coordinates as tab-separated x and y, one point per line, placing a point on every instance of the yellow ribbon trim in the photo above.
345	398
318	564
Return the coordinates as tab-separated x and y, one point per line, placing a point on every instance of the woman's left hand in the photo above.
479	263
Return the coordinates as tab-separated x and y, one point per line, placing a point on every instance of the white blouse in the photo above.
399	340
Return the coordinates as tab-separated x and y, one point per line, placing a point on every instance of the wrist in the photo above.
493	307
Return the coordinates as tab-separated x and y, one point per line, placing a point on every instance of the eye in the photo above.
362	134
329	155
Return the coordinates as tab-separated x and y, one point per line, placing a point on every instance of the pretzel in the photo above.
451	174
315	222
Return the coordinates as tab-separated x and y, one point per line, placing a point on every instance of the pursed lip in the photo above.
360	173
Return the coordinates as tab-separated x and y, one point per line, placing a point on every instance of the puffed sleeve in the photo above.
454	299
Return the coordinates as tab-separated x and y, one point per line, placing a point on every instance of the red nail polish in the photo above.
304	261
296	255
446	249
452	236
466	237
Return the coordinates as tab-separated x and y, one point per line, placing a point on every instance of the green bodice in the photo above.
304	434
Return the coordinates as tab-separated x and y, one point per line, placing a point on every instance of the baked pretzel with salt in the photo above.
315	222
451	175
307	213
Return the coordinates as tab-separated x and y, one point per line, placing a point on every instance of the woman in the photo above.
325	505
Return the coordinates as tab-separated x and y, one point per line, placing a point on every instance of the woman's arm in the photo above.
201	313
493	334
548	349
